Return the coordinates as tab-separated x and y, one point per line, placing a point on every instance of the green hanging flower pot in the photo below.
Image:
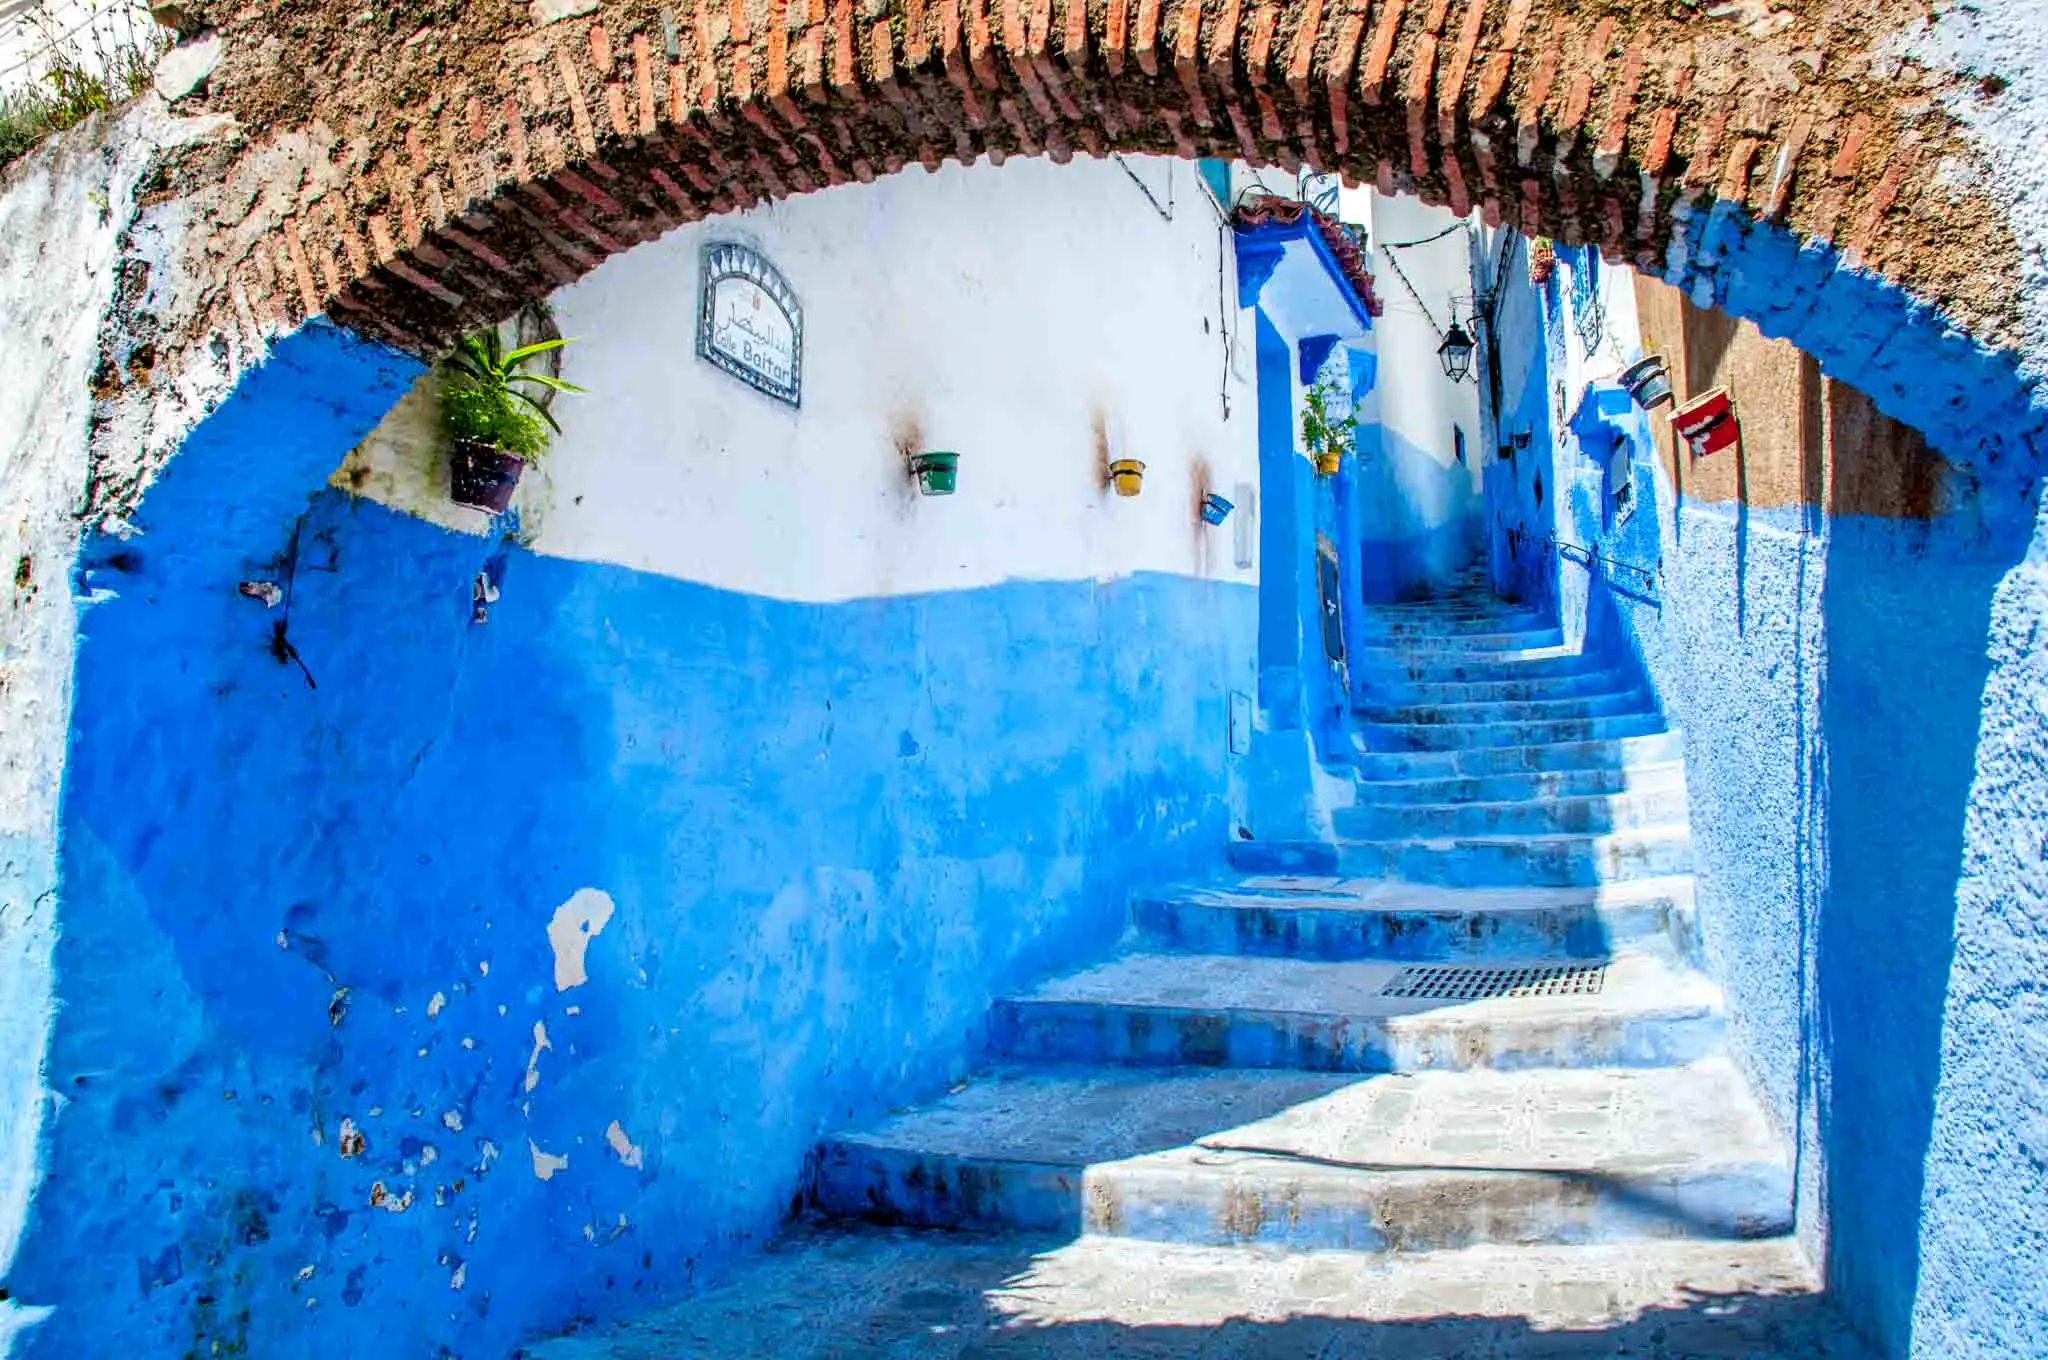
937	473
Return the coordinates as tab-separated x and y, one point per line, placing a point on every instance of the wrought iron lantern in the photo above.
1456	352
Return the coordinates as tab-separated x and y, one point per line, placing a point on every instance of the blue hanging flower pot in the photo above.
1215	509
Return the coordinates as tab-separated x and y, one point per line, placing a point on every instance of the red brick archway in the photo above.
442	165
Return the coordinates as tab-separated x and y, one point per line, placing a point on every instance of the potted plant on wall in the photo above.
495	422
1327	438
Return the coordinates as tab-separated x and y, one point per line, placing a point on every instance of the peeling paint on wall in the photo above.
574	925
622	1145
546	1164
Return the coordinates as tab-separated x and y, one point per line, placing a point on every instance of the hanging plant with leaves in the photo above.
495	410
1327	438
490	397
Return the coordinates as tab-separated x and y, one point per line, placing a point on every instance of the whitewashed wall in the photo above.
1418	404
1004	313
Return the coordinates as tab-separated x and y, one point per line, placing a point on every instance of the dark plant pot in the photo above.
1647	382
483	476
1215	509
938	473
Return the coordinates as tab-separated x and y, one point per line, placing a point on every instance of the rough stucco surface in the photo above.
1862	698
63	211
508	975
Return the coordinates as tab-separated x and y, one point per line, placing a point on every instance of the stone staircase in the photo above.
1466	1039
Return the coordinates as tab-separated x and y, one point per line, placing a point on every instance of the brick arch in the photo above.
424	179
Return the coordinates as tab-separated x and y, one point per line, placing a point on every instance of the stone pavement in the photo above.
1451	1083
861	1293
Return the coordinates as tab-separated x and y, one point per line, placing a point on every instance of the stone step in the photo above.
1235	1010
1547	757
1297	916
1435	1161
1377	665
1512	645
1588	814
850	1291
1508	788
1388	690
1377	737
1404	713
1552	861
1454	629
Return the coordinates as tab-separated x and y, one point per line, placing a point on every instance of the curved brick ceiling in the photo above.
439	164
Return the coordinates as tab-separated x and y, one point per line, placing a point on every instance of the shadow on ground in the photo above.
864	1294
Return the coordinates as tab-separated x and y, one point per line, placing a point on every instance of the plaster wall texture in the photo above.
1037	319
63	212
1420	506
501	974
1851	683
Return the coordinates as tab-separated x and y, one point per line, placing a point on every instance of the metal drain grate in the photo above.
1481	984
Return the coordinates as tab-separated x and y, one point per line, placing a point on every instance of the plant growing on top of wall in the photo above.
1326	437
493	416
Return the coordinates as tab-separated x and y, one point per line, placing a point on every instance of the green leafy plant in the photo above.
489	394
75	87
1326	438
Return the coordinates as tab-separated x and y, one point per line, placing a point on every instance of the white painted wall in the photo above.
1418	404
999	312
61	221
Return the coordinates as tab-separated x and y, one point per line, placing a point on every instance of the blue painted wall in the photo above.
1420	520
830	834
1863	699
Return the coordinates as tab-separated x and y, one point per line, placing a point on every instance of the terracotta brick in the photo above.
1221	49
1494	78
917	34
1451	89
1614	134
1663	127
1844	166
1145	36
380	238
1338	77
1259	32
1373	77
844	58
1074	36
579	110
1785	165
1433	18
430	287
643	84
1454	182
738	13
1529	115
600	51
302	274
1417	99
459	237
1864	235
589	192
1301	52
1699	170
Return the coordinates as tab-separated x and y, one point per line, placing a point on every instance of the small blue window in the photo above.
1458	441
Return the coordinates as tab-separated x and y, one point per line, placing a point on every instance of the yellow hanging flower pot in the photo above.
1329	462
1127	475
